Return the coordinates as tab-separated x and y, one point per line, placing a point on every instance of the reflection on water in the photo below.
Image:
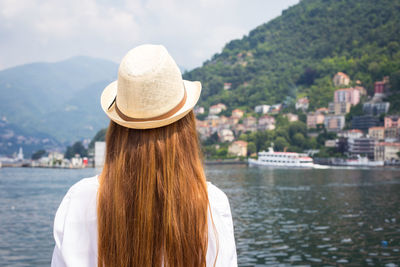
313	217
287	217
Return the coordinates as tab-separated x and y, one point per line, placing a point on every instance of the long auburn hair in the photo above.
152	200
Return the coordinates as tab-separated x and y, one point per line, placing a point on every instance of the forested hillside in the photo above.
298	53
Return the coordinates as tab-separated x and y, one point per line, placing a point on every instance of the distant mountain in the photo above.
60	99
298	53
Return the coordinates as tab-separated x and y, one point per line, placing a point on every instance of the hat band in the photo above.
160	117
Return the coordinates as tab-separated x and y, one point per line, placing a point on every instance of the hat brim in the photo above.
193	90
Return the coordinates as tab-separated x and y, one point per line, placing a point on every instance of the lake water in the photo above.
281	217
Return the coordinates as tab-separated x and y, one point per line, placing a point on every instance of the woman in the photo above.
151	205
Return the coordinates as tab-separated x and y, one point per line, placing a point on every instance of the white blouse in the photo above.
75	227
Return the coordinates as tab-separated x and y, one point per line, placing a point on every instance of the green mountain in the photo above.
59	99
298	53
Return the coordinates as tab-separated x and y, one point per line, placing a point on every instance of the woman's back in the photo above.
151	205
75	227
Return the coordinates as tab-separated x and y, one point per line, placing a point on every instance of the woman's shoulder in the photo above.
84	186
218	200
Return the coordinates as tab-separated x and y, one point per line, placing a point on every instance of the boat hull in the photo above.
253	162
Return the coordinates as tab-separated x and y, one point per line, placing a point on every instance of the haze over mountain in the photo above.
59	100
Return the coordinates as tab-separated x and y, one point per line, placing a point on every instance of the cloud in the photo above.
50	30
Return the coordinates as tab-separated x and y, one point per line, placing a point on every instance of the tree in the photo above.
76	148
38	154
280	144
251	148
299	140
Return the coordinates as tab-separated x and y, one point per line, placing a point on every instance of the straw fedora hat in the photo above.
150	91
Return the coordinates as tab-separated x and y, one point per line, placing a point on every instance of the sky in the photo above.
192	31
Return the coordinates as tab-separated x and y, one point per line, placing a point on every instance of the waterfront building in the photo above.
99	154
302	103
238	148
363	146
263	109
392	134
76	161
385	151
377	133
314	118
216	109
339	108
334	123
20	155
347	95
237	113
341	78
364	122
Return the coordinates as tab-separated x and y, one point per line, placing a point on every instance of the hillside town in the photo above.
364	134
370	133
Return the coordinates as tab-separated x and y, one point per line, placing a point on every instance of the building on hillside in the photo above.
249	121
363	146
227	86
392	121
363	91
376	108
291	117
330	143
232	121
216	109
334	123
199	110
364	122
377	133
212	120
275	109
351	134
322	111
239	129
347	95
263	109
392	134
302	103
385	151
203	129
341	78
266	123
339	108
313	119
237	113
238	148
226	135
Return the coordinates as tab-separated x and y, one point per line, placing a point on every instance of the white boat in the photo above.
282	159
